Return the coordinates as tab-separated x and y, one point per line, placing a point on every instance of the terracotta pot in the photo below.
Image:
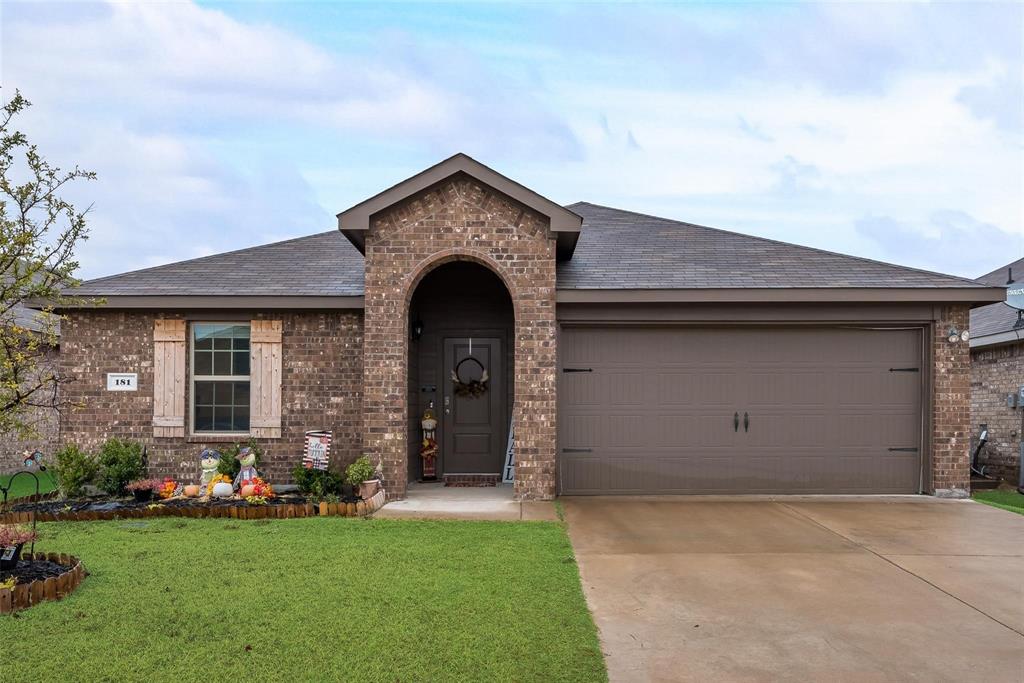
191	491
248	490
222	489
368	488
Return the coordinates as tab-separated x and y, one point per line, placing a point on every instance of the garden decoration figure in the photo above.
428	447
248	473
209	460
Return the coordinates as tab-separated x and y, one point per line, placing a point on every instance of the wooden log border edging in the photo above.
25	595
285	511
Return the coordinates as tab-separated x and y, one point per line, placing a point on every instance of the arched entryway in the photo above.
461	320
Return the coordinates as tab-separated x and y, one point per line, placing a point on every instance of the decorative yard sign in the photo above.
122	381
509	472
317	452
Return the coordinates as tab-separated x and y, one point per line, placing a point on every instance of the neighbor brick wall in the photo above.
43	420
951	404
996	372
461	220
321	388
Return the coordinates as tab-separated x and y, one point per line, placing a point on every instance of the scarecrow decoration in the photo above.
248	473
209	460
428	447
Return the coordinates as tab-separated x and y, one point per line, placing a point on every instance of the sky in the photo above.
891	131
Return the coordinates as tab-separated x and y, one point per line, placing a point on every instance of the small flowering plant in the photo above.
15	534
144	485
167	488
262	489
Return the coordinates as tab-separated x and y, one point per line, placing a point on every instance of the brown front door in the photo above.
473	428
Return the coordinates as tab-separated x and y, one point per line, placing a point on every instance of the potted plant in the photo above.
12	538
143	489
363	474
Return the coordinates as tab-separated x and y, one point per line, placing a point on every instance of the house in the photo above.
997	377
632	354
44	421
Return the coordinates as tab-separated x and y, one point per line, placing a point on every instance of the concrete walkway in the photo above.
437	501
803	589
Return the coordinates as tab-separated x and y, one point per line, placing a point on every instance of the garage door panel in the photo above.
656	410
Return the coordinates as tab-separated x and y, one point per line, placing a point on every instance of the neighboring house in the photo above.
997	372
45	421
633	354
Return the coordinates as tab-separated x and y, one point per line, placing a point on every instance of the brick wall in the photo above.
951	405
45	423
996	372
321	388
461	220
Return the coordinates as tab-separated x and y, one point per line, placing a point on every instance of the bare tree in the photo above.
39	232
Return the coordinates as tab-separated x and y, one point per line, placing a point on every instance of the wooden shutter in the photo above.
265	379
169	378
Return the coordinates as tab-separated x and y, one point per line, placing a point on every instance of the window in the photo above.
220	377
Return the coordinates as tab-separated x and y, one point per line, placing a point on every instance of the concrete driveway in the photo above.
803	589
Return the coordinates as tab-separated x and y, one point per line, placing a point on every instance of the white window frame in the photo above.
193	378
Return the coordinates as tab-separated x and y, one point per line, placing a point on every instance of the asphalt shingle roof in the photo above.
616	250
998	317
625	250
325	264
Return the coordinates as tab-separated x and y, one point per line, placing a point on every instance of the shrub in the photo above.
120	462
359	471
229	467
74	469
317	483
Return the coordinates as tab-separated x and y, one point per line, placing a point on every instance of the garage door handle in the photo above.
746	422
735	422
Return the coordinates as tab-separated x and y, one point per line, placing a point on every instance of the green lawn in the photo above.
310	599
24	485
1007	500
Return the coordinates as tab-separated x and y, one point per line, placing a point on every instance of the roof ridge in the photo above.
958	278
219	254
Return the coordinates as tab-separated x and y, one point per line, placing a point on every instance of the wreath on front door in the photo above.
473	388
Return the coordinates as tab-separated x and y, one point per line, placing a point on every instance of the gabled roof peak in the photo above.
354	222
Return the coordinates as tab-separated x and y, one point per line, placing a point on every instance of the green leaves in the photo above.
39	232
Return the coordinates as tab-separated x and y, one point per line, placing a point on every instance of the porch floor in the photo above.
437	501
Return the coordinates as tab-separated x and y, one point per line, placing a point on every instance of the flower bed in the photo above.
279	507
39	577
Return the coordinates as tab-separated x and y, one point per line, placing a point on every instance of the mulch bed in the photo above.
285	506
41	577
27	572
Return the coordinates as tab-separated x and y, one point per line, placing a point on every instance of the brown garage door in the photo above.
739	410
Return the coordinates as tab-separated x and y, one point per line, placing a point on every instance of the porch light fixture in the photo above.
417	329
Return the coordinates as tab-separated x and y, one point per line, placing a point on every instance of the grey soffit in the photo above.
354	222
993	324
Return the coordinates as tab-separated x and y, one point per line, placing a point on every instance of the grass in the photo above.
1006	500
310	599
25	485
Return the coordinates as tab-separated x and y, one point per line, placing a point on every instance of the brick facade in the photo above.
461	219
996	372
321	388
951	402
